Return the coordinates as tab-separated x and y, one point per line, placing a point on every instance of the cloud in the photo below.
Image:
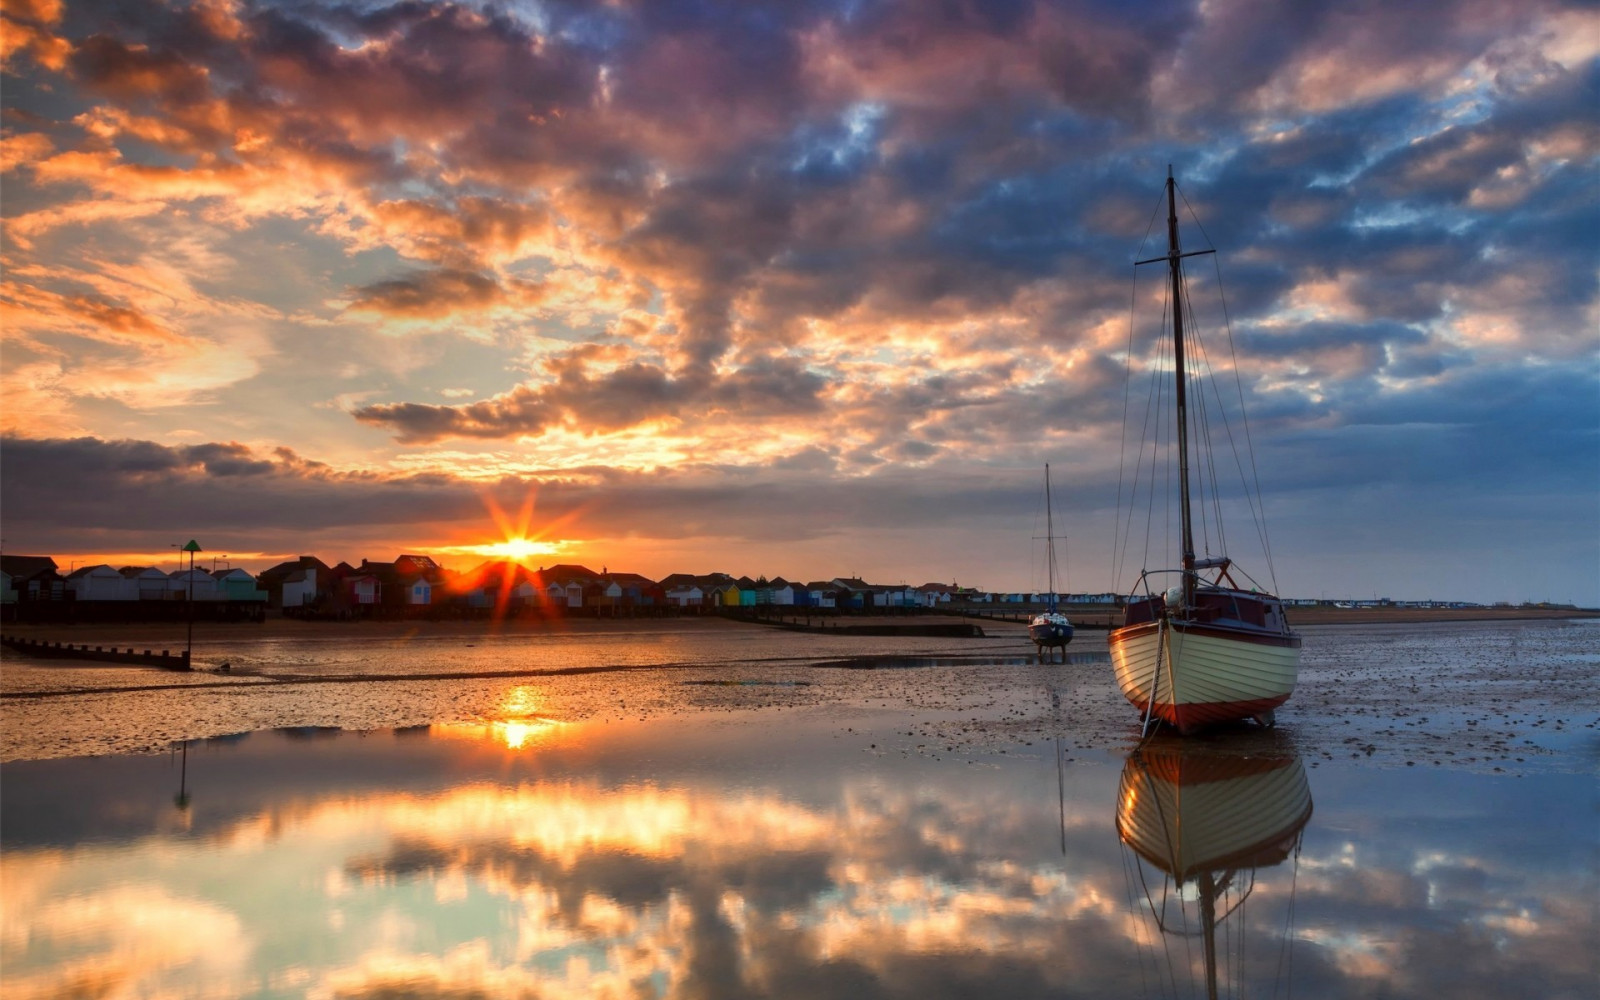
611	400
886	238
115	938
432	293
231	459
30	26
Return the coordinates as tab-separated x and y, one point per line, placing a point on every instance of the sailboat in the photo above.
1206	649
1050	629
1209	820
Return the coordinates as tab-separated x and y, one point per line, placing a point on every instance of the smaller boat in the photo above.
1050	629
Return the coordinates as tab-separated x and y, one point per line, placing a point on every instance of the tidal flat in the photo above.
700	808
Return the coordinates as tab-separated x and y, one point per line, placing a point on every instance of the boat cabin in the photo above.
1216	605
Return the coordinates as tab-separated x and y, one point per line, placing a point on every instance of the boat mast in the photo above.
1050	538
1174	255
1208	921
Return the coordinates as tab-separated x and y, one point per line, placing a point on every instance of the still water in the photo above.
941	829
748	856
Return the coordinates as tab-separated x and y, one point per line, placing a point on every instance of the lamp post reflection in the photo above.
181	800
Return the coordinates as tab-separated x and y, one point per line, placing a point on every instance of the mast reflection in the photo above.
1208	817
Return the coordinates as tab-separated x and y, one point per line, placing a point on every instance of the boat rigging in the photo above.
1204	650
1050	629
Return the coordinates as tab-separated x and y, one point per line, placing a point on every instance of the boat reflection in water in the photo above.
1208	817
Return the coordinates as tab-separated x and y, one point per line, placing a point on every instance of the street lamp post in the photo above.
188	652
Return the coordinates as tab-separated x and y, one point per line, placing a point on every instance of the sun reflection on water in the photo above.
519	723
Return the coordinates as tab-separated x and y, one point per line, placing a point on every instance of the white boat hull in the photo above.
1192	813
1207	674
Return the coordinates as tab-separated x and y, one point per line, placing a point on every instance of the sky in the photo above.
802	289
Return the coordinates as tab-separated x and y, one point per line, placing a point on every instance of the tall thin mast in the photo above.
1050	536
1208	923
1176	269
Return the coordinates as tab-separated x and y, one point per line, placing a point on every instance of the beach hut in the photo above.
572	593
192	583
782	592
298	588
748	592
101	583
416	591
820	594
364	589
685	597
295	583
238	585
146	582
34	578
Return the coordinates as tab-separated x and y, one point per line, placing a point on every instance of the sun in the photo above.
520	540
518	548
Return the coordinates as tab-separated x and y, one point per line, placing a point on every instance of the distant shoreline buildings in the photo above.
415	586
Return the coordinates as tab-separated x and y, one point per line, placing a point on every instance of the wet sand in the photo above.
941	817
1492	696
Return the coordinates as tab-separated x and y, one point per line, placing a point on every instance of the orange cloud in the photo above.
28	29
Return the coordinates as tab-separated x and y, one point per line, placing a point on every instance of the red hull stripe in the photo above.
1198	715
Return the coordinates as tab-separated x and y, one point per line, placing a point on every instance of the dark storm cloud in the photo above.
128	487
614	400
112	67
436	63
232	459
429	293
72	460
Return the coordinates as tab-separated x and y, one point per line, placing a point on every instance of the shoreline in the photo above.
1084	618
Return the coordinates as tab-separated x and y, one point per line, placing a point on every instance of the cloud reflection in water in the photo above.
665	859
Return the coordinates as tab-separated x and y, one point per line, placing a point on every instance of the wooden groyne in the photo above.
102	654
1080	619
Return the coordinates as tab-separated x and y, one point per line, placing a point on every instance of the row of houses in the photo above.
36	578
411	582
414	584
